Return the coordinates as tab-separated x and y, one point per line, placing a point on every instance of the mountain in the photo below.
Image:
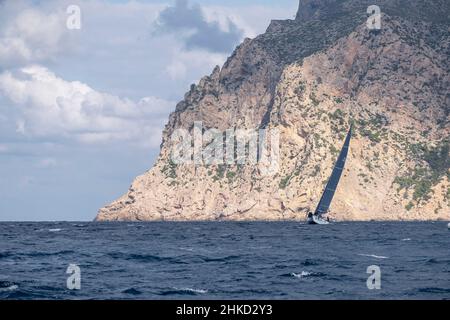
308	79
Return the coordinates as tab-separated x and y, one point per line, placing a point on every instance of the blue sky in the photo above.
82	111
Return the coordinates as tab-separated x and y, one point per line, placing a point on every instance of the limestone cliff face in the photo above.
310	78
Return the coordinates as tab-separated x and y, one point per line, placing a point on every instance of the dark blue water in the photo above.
224	260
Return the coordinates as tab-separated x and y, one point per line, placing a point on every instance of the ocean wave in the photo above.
400	270
134	225
434	290
406	239
46	254
301	275
132	291
55	230
184	291
436	261
144	257
10	288
200	250
220	259
145	262
200	291
372	256
261	248
6	286
310	262
5	255
250	292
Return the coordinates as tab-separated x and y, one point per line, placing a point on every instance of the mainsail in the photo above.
330	190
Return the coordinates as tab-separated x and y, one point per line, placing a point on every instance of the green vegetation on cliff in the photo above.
422	179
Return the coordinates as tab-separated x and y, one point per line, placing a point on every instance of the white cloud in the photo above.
119	46
177	70
46	163
184	63
30	35
197	31
253	19
26	181
20	126
53	107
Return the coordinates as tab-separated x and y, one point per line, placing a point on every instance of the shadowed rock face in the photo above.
310	78
313	9
431	11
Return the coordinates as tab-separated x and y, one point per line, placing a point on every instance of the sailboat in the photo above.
327	196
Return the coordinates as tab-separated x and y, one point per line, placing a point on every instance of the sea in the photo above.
224	260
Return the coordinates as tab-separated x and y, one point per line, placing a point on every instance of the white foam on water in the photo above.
187	249
304	274
10	288
407	239
54	230
201	291
261	248
373	256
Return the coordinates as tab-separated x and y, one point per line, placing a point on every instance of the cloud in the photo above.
184	62
191	23
46	163
53	107
252	17
26	181
30	35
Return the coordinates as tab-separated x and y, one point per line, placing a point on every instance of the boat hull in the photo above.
317	221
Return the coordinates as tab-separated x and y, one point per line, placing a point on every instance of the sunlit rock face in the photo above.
309	79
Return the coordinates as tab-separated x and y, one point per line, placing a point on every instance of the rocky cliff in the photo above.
309	78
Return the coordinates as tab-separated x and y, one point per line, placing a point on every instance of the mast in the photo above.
330	189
